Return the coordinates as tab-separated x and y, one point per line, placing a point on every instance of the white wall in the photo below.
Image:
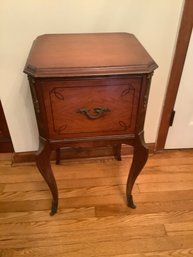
155	23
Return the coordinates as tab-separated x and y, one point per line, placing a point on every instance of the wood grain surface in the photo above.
80	55
93	219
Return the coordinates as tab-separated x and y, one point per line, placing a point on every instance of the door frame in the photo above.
176	72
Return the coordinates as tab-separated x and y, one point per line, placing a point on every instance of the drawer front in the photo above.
93	107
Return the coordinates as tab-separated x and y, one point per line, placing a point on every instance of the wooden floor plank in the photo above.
148	207
2	187
166	186
179	228
166	176
16	195
67	183
151	218
72	234
33	216
101	248
174	253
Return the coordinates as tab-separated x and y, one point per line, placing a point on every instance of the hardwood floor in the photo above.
93	219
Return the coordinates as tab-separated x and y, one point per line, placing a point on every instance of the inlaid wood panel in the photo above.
91	107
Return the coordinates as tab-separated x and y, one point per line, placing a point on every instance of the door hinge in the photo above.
172	118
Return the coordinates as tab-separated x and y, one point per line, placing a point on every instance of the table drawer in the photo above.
91	107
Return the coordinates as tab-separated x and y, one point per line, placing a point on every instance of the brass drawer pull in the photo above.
95	113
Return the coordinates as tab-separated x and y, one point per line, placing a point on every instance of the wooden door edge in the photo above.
176	73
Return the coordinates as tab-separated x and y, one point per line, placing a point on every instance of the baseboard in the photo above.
78	153
6	157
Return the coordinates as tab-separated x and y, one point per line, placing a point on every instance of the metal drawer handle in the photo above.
95	113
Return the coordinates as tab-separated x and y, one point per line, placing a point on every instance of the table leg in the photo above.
117	152
44	166
139	159
58	156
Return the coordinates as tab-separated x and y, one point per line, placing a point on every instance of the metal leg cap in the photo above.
54	209
130	202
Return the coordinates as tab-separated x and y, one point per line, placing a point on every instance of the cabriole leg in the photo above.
139	159
117	152
58	156
44	166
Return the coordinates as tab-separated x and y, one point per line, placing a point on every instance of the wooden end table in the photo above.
90	90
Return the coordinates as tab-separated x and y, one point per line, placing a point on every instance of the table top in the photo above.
67	55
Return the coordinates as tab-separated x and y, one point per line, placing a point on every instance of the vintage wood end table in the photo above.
89	90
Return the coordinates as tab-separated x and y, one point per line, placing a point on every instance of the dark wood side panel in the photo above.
6	145
176	72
